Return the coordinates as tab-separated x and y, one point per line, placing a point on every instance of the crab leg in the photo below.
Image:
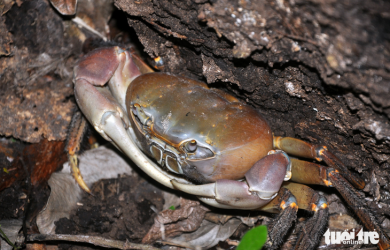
311	173
355	201
305	172
77	129
305	198
114	129
308	199
287	206
89	72
307	150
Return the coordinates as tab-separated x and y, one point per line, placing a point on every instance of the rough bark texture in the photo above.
34	101
38	49
317	70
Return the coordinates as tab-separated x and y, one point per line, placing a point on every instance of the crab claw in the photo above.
262	183
104	106
114	65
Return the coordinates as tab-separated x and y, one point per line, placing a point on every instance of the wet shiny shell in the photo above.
183	109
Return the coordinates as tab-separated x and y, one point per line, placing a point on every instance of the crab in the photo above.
207	143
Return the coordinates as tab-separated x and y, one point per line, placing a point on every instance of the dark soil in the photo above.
120	209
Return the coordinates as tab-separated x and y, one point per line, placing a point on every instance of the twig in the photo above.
80	22
95	240
165	30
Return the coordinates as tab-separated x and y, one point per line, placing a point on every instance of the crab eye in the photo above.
134	109
201	153
191	146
